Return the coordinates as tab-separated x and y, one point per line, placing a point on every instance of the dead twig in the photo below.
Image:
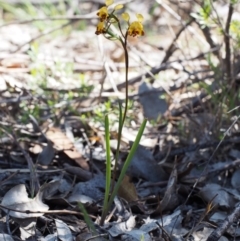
171	48
178	17
208	37
157	69
228	63
224	168
8	178
56	18
195	147
43	34
79	172
47	212
217	233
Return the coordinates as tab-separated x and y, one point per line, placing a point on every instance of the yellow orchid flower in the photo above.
103	14
100	28
136	27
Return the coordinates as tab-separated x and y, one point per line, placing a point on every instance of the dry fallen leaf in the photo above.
17	199
47	154
215	193
170	199
152	104
127	190
5	237
235	180
144	166
63	143
63	231
123	227
93	188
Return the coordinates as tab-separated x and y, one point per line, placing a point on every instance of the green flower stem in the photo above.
127	162
108	169
124	44
122	117
111	190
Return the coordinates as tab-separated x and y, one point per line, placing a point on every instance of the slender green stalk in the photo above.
87	219
109	197
127	162
124	44
122	116
108	169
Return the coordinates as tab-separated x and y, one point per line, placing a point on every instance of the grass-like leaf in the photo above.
87	219
108	167
126	164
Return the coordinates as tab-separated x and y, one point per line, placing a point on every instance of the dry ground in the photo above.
58	80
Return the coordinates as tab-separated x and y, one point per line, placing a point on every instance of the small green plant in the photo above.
107	18
26	10
204	12
235	33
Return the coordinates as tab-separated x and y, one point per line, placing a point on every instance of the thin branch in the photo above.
170	49
56	18
179	18
218	233
207	35
47	212
227	43
43	34
195	147
155	70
